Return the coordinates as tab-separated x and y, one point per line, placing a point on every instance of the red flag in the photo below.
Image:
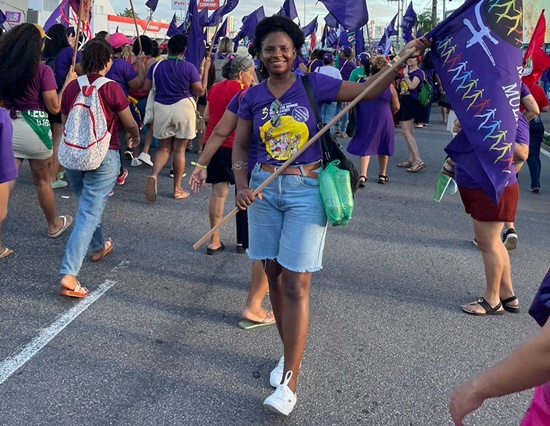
536	61
313	40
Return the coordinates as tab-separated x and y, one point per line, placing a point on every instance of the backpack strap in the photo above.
98	83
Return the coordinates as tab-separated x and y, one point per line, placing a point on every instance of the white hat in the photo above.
243	51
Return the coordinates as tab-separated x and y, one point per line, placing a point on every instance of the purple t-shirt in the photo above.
63	62
8	170
43	81
420	74
233	107
522	136
346	68
274	143
122	72
296	63
173	79
524	91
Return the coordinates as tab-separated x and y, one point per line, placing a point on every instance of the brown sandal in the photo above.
404	164
77	291
97	256
416	167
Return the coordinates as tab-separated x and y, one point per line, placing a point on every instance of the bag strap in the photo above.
313	103
153	74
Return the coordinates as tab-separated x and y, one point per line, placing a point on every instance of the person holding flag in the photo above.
287	220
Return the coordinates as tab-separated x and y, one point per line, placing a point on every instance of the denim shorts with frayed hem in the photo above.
289	223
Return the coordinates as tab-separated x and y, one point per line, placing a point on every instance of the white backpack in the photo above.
86	136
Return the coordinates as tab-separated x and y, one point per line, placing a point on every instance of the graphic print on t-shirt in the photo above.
285	133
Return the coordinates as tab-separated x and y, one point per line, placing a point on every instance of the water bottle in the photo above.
330	196
343	186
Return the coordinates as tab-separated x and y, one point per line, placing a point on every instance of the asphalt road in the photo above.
159	344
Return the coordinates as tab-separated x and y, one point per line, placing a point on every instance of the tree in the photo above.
424	21
128	13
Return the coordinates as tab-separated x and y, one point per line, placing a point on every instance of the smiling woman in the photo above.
287	222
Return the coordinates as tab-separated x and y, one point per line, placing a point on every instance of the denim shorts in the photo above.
289	223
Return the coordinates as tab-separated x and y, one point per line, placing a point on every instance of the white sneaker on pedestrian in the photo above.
283	400
276	375
135	162
145	158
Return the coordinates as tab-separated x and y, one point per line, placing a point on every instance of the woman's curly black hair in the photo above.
58	40
95	56
275	24
20	54
146	45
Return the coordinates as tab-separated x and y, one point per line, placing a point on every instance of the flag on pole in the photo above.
2	19
195	40
219	13
331	21
444	184
359	41
203	17
310	28
59	16
351	14
222	31
484	95
313	41
288	9
536	61
250	22
152	4
408	23
173	28
385	42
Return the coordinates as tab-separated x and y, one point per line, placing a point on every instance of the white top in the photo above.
330	71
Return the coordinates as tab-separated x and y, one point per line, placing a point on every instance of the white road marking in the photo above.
544	152
12	363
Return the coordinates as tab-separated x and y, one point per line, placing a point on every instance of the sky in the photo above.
381	11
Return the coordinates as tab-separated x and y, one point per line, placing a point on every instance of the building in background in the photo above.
16	12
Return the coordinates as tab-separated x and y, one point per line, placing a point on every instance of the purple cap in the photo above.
364	58
328	58
346	50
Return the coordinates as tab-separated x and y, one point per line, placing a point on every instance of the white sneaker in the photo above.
283	400
276	375
135	162
145	158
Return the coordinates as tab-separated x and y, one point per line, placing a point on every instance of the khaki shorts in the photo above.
26	144
176	120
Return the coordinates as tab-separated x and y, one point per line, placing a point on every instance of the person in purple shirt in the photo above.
127	78
346	65
27	87
58	55
287	221
176	84
8	172
488	219
411	112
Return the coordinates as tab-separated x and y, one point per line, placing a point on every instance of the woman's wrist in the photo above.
197	164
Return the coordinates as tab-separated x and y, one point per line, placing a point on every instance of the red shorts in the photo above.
480	206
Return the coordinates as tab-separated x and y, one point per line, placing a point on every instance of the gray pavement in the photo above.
161	346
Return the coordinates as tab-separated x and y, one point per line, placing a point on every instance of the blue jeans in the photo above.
328	111
343	122
536	133
92	189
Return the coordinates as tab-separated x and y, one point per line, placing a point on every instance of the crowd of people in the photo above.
250	112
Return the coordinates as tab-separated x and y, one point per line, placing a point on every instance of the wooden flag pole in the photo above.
216	31
135	24
148	21
379	76
77	34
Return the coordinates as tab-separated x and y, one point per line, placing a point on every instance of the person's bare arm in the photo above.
239	159
199	87
129	123
394	103
531	107
52	99
527	367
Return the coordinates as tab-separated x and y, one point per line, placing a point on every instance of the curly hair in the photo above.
278	24
58	40
234	66
20	55
146	45
95	56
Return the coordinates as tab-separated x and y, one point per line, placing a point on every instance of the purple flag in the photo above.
409	21
310	28
288	9
484	94
238	38
250	22
222	31
59	16
218	14
385	42
195	40
2	19
203	17
324	36
391	30
173	28
152	4
418	32
331	21
332	38
352	14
